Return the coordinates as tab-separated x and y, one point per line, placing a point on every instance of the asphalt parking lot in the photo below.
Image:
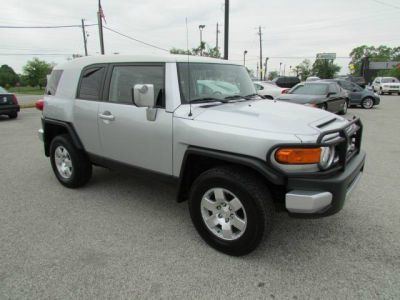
125	237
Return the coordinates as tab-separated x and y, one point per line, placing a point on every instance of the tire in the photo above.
380	92
256	209
344	110
324	106
367	103
398	94
70	165
13	115
269	97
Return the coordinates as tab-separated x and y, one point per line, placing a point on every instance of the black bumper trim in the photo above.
338	185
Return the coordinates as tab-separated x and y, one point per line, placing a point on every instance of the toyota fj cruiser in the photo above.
234	156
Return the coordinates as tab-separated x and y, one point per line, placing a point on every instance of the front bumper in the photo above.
388	89
321	197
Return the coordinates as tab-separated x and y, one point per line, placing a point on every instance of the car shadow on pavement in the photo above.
291	238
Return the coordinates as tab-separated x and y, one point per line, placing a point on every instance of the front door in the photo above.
126	134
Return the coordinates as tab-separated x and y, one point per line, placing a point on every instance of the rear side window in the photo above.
91	83
346	85
53	81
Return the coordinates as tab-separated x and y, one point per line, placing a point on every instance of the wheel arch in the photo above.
197	160
52	128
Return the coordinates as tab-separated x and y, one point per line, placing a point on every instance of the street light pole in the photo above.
280	65
266	63
84	37
226	30
244	57
201	27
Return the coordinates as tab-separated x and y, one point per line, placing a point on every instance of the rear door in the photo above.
86	106
126	134
335	100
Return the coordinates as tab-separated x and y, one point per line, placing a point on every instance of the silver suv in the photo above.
236	158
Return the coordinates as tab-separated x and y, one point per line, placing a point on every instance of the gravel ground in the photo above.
125	237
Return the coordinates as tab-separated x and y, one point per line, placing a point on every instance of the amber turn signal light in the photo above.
298	156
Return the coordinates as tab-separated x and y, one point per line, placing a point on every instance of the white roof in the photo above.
81	62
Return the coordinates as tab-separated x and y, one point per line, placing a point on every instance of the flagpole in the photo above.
100	22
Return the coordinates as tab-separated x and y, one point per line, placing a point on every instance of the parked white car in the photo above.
268	90
384	85
312	78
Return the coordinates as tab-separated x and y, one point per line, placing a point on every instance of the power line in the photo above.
35	54
135	39
43	27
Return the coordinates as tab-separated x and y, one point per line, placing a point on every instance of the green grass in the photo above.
26	90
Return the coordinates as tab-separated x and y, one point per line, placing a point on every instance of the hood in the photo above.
301	99
264	115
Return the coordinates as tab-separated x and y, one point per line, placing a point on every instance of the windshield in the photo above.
209	80
310	89
3	91
389	79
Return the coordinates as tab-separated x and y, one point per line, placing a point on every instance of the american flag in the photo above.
102	13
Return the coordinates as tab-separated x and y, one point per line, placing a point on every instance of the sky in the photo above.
292	30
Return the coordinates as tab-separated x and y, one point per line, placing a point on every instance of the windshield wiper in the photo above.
207	100
247	97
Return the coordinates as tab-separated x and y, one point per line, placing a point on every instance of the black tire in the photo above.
381	92
398	94
81	166
344	110
13	115
255	198
269	97
366	104
324	106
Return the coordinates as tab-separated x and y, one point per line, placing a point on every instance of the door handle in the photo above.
107	116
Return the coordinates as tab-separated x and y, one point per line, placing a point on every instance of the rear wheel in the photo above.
13	115
367	103
231	209
70	165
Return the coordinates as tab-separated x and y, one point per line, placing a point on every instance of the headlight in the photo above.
327	156
323	156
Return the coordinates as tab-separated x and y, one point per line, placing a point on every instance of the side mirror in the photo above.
143	95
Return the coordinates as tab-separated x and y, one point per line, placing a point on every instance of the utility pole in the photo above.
257	68
217	33
266	63
244	57
226	29
280	65
84	36
284	70
100	21
201	27
260	34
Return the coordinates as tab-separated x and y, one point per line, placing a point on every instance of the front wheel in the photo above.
70	165
231	209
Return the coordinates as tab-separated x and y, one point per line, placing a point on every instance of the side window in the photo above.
258	87
355	87
377	80
346	85
124	78
333	88
52	82
91	83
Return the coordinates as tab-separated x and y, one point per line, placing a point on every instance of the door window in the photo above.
124	78
91	83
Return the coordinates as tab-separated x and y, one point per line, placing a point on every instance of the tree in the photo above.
272	75
7	76
35	72
303	69
325	68
203	49
380	53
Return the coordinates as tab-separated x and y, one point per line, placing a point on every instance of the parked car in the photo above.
387	85
216	87
233	158
312	78
8	104
358	95
325	95
286	81
268	90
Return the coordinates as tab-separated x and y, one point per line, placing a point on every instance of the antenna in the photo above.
188	67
